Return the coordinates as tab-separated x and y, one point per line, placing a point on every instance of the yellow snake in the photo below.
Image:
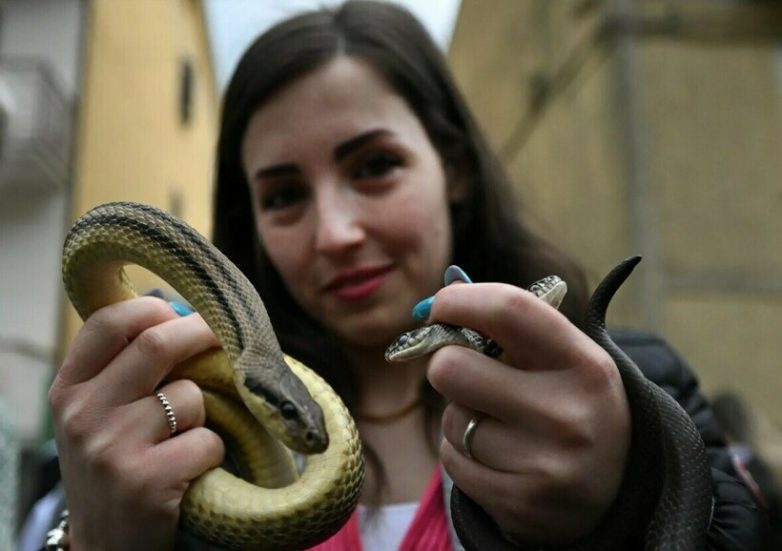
276	507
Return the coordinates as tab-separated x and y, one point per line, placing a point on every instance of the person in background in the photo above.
350	174
9	478
740	423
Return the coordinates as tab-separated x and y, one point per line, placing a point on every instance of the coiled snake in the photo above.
665	502
293	511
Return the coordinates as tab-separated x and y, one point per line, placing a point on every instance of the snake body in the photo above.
249	379
666	497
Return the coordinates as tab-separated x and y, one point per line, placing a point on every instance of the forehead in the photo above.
339	99
341	78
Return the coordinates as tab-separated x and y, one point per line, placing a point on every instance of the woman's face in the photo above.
350	200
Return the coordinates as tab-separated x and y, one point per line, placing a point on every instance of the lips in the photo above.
358	284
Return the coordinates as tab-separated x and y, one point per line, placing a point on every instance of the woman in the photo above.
350	174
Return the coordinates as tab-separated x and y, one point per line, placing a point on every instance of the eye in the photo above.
288	410
283	196
377	164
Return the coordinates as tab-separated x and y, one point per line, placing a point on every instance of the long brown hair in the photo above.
491	240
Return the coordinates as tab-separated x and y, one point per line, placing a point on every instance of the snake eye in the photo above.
288	410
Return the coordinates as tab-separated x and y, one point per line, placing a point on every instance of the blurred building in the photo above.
650	127
39	85
100	100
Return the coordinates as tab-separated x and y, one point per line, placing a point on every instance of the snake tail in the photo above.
675	506
597	308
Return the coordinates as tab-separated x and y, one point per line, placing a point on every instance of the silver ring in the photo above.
170	417
469	432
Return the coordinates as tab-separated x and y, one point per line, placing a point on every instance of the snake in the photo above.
666	497
426	339
264	404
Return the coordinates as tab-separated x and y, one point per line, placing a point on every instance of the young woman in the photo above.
350	175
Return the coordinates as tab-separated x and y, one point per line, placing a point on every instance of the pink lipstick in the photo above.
358	284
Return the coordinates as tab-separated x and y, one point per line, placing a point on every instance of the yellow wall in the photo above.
663	141
132	144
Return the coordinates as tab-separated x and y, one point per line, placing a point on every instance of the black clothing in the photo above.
738	522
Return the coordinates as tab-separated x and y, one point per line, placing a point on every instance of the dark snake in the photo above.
665	500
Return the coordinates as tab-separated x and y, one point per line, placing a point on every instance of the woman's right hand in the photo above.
124	474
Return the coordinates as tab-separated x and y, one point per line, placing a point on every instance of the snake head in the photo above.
281	402
425	340
407	346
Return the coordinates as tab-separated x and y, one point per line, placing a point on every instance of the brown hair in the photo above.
491	241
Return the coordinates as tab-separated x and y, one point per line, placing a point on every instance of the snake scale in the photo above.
250	374
666	498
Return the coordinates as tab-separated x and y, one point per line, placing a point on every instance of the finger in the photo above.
186	403
510	499
106	333
456	422
536	401
480	383
492	443
148	359
543	500
484	484
188	455
525	326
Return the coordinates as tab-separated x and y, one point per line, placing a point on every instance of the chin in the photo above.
374	332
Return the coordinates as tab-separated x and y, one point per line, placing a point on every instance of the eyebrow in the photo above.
340	152
284	169
345	148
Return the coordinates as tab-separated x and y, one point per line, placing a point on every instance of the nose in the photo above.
340	226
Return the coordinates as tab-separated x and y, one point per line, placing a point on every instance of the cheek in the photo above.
292	263
434	220
422	225
407	223
286	259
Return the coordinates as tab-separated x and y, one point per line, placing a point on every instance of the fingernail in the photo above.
422	309
181	309
455	273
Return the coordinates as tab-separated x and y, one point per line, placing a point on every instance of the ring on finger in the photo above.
170	416
467	437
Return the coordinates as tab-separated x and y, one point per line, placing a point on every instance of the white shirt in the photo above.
386	527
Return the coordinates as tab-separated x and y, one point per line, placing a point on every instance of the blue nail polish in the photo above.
455	273
181	309
422	309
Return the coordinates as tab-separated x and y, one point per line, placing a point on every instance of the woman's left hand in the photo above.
549	451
